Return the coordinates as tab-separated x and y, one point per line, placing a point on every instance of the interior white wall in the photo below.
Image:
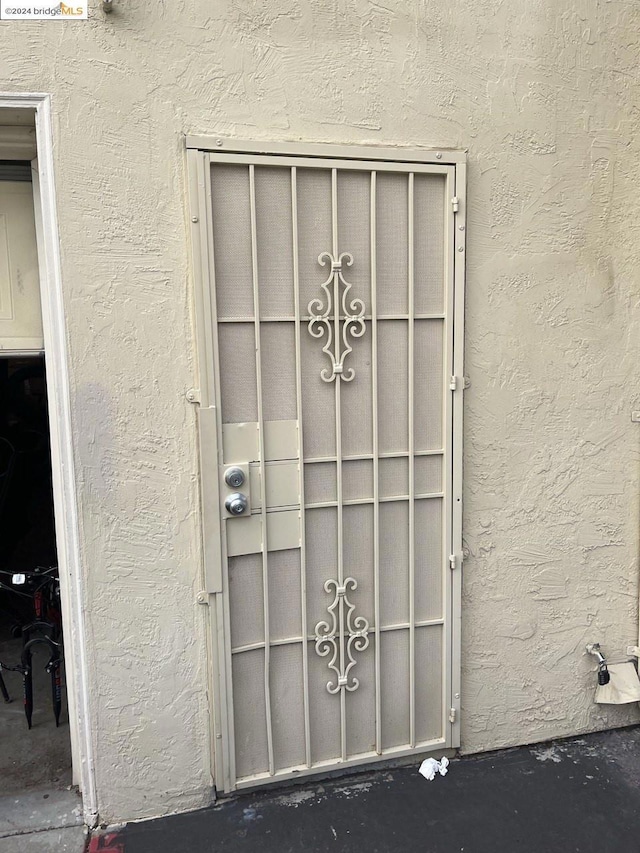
544	95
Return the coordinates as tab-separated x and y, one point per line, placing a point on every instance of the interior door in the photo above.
20	311
327	436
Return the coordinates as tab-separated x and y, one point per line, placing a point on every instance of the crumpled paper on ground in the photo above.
431	766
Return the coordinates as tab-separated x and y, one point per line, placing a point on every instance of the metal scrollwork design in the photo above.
350	312
342	636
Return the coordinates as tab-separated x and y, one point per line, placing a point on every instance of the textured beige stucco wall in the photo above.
544	94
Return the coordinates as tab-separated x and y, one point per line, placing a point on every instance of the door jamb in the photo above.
457	455
62	456
211	540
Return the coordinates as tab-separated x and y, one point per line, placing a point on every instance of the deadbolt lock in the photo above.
234	477
236	503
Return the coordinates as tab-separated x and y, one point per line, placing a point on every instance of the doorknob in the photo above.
234	477
236	503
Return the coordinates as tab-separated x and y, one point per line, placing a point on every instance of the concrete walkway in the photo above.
578	796
42	822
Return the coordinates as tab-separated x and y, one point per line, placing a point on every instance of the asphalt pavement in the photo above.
573	796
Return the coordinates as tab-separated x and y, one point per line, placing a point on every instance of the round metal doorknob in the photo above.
236	503
234	477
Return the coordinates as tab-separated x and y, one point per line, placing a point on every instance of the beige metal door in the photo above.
20	311
328	388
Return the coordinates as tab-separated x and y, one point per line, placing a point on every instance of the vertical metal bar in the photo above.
412	507
448	549
198	167
450	570
210	431
376	462
303	553
339	510
457	254
221	624
263	491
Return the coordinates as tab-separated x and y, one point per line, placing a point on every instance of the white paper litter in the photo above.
431	766
623	687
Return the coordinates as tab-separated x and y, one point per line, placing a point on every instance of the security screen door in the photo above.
328	388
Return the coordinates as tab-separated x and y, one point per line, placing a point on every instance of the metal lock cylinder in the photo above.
234	477
236	503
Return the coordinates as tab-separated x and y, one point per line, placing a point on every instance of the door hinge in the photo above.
460	382
452	715
455	203
455	560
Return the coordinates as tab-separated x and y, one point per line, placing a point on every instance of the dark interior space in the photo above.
34	731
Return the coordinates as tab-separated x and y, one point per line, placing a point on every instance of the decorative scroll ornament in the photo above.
351	314
342	636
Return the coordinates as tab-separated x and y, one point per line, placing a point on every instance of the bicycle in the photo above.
44	629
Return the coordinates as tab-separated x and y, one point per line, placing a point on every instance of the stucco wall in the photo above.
544	94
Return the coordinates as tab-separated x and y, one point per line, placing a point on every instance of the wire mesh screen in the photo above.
331	293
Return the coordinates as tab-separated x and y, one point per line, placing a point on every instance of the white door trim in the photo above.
62	458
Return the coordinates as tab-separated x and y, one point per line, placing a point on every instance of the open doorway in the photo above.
36	295
34	729
34	719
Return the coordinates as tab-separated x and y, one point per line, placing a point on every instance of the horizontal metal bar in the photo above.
350	502
305	318
252	647
291	641
270	509
421	748
358	457
323	149
418	623
328	163
389	499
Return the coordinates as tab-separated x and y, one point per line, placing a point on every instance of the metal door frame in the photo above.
201	151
